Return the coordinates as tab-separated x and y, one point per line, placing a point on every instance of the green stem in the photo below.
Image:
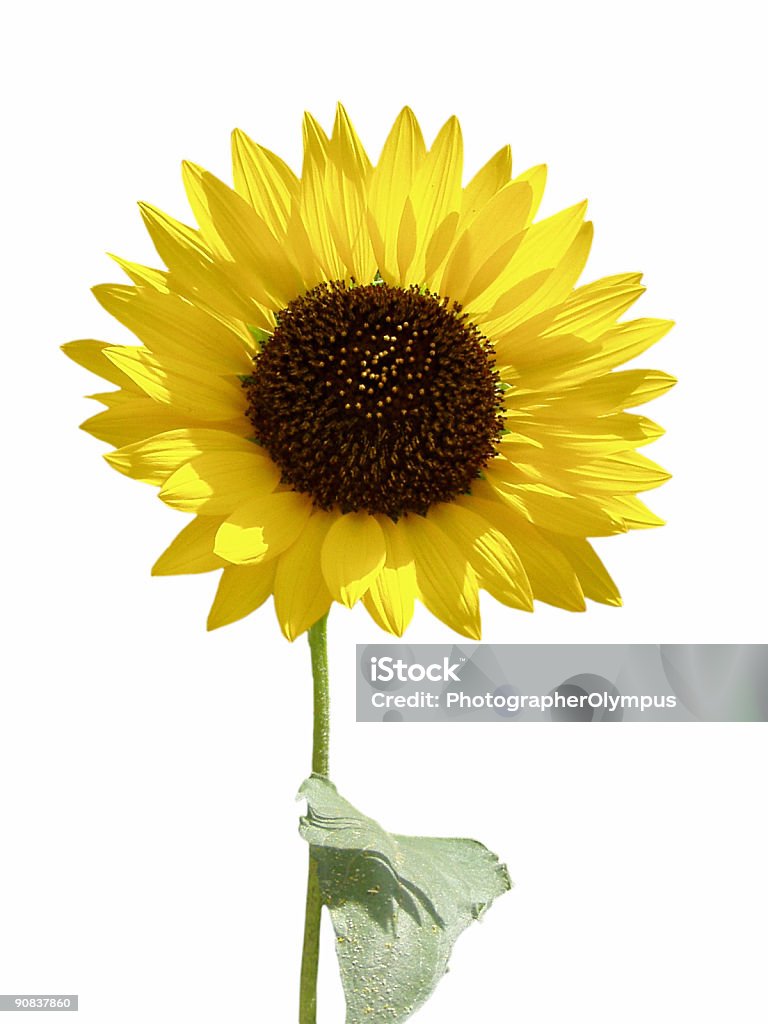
318	646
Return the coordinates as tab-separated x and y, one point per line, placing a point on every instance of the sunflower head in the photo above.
376	399
378	383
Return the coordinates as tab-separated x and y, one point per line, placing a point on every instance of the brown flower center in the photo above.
376	398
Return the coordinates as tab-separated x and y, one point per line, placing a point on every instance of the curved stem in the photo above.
318	646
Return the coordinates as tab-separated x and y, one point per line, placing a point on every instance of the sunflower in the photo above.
371	383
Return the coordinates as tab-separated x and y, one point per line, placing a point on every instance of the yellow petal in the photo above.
307	260
435	193
177	244
544	246
218	482
346	147
390	184
547	241
262	528
143	276
353	553
446	581
488	274
621	473
598	478
604	435
154	459
172	327
241	590
551	575
439	248
494	559
231	226
198	274
607	393
560	282
131	416
496	231
314	207
407	240
346	175
89	354
494	321
185	386
537	361
536	178
266	181
619	344
390	598
635	514
316	142
594	307
191	551
485	184
590	571
301	594
555	510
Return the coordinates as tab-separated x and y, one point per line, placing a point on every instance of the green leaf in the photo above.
261	337
398	903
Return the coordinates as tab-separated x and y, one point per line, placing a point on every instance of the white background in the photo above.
148	857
